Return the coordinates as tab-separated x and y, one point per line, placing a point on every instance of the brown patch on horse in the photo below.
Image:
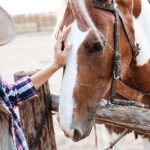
134	6
141	76
96	67
137	8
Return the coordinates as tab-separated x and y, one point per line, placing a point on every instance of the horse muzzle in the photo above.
76	135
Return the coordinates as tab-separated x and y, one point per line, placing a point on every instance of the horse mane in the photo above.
77	10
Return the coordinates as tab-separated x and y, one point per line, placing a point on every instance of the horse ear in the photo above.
137	6
65	19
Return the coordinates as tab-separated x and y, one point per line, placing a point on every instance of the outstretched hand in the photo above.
60	57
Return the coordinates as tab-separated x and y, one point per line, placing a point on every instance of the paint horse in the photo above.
88	74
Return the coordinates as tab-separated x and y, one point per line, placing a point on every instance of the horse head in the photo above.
88	72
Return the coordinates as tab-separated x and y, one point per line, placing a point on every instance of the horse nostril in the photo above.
77	134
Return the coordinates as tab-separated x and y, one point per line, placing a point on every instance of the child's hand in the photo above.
60	57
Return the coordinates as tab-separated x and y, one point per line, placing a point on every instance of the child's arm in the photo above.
25	89
60	58
22	90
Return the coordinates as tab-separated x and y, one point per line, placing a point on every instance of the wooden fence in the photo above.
129	117
36	118
43	22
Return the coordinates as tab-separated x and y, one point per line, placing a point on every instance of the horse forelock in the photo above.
77	10
81	14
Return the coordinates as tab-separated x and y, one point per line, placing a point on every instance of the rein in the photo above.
116	85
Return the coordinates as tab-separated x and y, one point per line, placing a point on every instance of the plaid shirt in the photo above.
12	96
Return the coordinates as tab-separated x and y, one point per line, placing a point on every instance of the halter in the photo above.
117	55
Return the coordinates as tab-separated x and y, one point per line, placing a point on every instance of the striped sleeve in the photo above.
21	91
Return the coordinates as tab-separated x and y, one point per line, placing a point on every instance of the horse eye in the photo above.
96	47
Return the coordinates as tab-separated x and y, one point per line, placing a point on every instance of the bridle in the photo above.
117	55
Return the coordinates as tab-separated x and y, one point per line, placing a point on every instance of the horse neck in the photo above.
141	65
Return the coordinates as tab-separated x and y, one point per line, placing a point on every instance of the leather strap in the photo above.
132	44
103	5
125	91
111	7
142	99
128	92
116	57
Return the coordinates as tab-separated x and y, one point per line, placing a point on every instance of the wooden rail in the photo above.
133	118
43	22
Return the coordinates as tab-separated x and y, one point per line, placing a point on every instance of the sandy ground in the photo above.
33	51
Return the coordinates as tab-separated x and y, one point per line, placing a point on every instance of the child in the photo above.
23	90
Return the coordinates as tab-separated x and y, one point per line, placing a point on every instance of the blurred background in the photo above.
32	15
33	49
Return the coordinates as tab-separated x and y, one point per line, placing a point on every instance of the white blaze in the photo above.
142	33
67	104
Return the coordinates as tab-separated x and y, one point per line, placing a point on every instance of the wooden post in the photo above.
30	116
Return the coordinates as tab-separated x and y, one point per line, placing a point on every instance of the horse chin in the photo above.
77	139
78	136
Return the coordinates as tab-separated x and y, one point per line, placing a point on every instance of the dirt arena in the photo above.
35	51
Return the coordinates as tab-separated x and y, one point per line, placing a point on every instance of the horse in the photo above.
89	75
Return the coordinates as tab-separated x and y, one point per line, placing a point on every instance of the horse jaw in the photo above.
142	32
67	102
